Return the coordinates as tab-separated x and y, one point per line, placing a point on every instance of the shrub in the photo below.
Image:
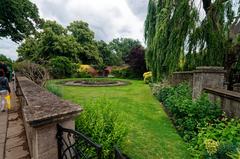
225	131
200	122
234	155
136	61
121	72
34	72
147	77
61	67
102	125
85	71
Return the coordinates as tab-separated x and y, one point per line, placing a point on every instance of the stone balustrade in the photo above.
42	111
229	100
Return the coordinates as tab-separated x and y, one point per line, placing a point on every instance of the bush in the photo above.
61	67
225	131
200	122
136	61
147	76
85	71
235	155
34	72
102	125
121	72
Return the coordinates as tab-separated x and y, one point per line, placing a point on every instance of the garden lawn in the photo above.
151	134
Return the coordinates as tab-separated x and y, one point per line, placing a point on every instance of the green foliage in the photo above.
6	60
122	47
54	41
54	27
18	19
88	52
225	131
102	125
80	30
61	67
176	28
108	56
149	128
55	89
235	155
166	29
121	72
200	122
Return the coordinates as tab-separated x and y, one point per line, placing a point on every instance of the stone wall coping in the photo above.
44	107
184	72
209	69
237	84
224	93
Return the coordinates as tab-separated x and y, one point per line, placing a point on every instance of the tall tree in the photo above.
122	47
18	19
136	61
53	41
175	27
85	37
81	31
108	56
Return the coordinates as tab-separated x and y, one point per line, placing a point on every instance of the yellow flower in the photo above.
211	146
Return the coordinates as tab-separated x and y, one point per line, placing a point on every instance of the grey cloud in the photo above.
139	7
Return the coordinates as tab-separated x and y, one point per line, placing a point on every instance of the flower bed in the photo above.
201	123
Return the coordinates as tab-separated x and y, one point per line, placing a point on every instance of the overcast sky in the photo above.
107	18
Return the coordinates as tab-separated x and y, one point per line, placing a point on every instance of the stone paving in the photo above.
13	142
3	132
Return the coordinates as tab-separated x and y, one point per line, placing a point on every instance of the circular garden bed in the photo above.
96	83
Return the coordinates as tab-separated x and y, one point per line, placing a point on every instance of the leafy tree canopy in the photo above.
80	30
136	61
18	19
122	47
108	56
6	60
173	28
53	41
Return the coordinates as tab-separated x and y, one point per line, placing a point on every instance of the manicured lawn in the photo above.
151	134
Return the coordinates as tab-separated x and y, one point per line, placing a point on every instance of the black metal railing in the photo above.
118	154
74	145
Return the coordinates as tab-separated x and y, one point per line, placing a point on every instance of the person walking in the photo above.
4	89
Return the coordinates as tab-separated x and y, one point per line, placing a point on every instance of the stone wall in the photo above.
230	100
42	111
179	77
213	77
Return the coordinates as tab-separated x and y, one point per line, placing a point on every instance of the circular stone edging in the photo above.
100	83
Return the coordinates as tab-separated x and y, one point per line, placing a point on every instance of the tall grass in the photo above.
55	89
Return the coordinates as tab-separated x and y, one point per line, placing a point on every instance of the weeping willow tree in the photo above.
202	33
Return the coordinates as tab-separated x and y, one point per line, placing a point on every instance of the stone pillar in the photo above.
44	143
211	77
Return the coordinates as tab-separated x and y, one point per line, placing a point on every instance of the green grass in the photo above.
151	134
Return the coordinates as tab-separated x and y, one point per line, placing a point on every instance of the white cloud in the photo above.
8	48
107	18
